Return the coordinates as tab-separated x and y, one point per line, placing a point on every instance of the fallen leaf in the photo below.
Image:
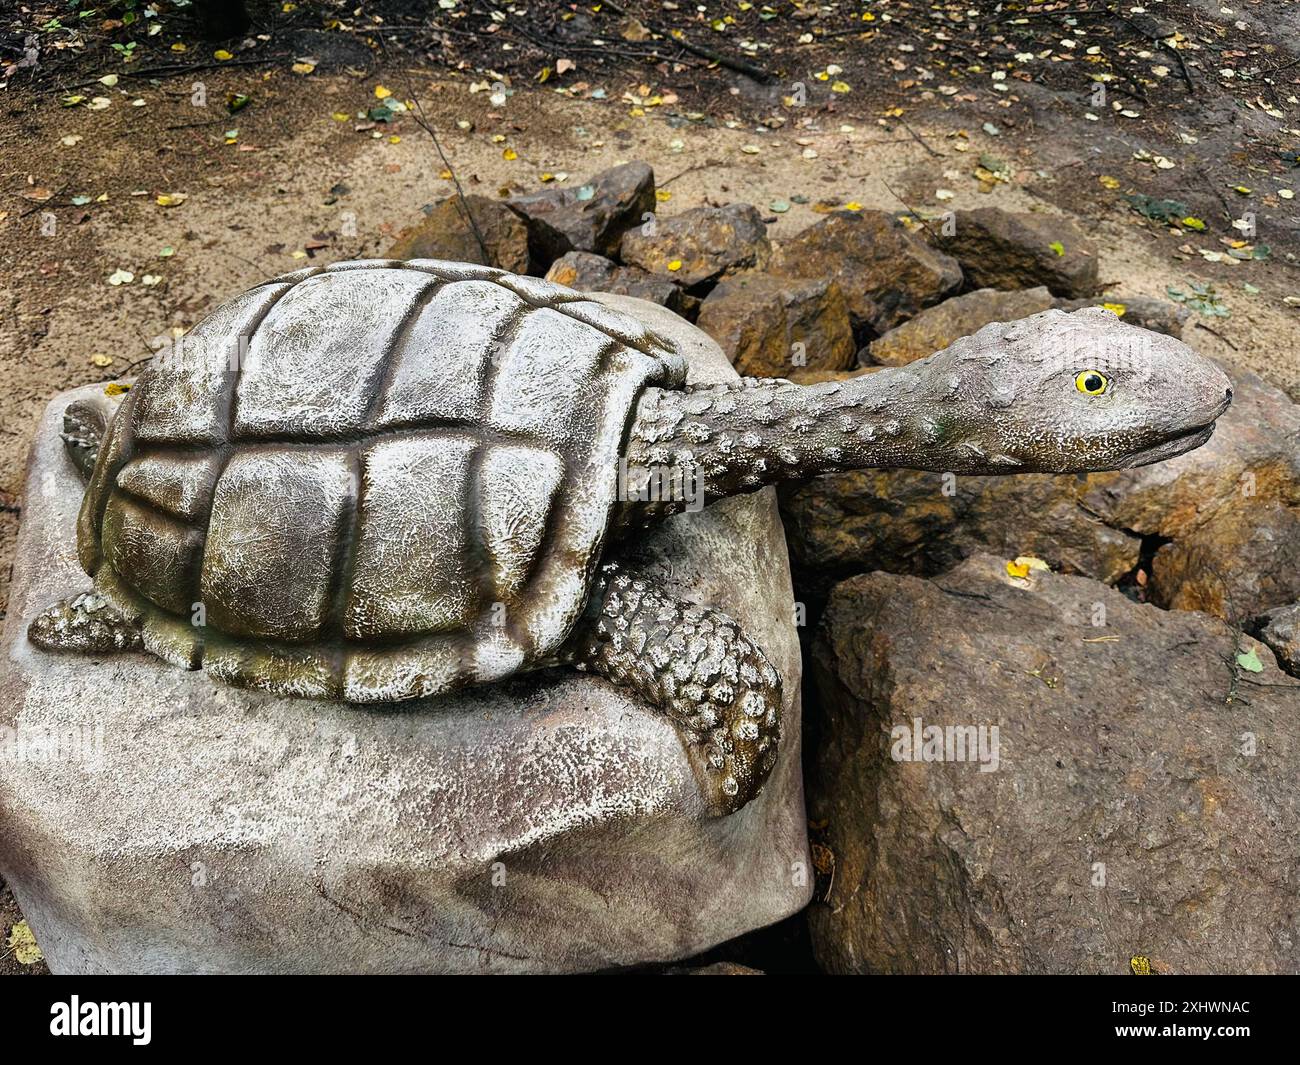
171	199
23	944
1249	661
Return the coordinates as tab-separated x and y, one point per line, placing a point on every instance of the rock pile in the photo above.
1148	731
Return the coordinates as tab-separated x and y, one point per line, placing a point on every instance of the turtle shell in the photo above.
373	481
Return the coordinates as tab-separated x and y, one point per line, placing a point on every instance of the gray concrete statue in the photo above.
381	481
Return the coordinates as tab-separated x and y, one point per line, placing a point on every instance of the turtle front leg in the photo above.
84	623
695	665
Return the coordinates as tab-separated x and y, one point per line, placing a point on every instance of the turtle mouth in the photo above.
1172	446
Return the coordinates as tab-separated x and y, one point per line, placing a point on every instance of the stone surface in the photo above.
1161	316
959	316
906	521
707	242
1280	631
911	521
769	326
586	272
1242	562
549	823
1123	817
1010	249
590	217
886	272
446	234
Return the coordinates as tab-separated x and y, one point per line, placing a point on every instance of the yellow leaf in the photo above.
178	47
663	195
1140	965
222	55
394	139
1109	182
340	116
675	265
445	175
1015	569
840	86
509	154
1117	309
853	205
381	93
543	74
116	389
23	944
303	68
547	176
171	199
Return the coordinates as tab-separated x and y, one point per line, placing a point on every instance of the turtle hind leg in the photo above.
696	665
84	623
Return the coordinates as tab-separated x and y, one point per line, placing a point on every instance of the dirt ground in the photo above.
196	199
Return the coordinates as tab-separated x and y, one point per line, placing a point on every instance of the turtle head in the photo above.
1063	393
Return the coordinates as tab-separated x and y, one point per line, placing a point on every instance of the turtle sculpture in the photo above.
381	480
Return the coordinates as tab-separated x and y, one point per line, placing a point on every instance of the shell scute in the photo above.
268	569
401	485
413	572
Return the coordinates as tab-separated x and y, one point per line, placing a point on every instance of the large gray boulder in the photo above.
1137	799
548	824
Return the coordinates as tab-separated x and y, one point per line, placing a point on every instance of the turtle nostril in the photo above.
1229	391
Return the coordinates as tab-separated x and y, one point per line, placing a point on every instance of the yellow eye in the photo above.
1091	382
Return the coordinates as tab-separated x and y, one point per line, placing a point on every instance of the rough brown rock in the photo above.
590	217
708	242
1009	249
446	234
1242	562
886	272
911	521
586	272
1132	812
1280	631
1145	312
959	316
770	326
902	521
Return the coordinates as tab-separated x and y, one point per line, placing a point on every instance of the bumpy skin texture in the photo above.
697	666
85	623
83	428
1004	400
